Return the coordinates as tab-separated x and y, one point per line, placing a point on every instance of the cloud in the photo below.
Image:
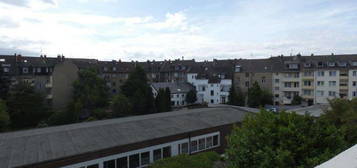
27	3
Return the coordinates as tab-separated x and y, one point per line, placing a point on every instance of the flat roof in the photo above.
45	144
346	159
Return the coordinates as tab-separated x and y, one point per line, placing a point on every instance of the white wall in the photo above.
326	88
351	79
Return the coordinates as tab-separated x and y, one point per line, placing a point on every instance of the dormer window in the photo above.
320	64
238	68
25	70
293	66
307	65
114	68
105	69
342	64
331	64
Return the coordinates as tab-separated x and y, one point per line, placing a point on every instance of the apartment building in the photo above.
315	78
124	142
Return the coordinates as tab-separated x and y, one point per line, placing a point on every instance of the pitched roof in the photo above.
46	144
174	87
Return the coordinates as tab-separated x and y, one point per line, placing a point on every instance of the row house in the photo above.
178	91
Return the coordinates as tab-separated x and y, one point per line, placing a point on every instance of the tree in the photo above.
4	116
139	93
296	100
121	106
163	100
283	140
258	97
4	85
191	96
90	93
236	98
202	160
254	95
26	107
343	114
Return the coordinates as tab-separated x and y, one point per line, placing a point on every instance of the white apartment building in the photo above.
211	91
178	91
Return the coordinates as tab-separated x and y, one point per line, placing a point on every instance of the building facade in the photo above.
178	91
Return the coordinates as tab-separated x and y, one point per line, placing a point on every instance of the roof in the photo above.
46	144
174	87
346	159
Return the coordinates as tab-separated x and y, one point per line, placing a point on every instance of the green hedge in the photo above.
202	160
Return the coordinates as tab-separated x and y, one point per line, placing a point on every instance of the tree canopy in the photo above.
236	98
258	97
138	91
163	100
4	85
90	93
283	140
4	116
26	107
191	96
121	106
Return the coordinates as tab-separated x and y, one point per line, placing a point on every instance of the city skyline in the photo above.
203	30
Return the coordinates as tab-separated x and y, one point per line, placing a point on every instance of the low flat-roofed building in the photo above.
120	143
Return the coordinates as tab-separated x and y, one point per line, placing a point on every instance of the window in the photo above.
212	101
203	88
354	73
354	94
320	73
306	65
320	83
276	88
105	69
331	64
157	154
201	144
332	73
25	70
287	84
296	84
293	66
2	60
114	69
320	93
177	95
308	73
166	152
145	158
247	84
354	63
263	79
212	93
184	148
332	83
276	80
193	146
134	161
6	69
247	75
307	92
109	164
215	140
332	93
38	70
93	166
307	83
354	83
122	162
209	142
277	95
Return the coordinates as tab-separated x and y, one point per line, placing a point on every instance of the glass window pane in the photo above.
184	148
93	166
193	146
157	154
134	161
145	158
122	162
215	140
209	142
201	144
109	164
166	152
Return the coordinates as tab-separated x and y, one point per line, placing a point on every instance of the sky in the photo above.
171	29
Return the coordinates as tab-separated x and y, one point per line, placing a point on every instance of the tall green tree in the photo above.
163	100
258	97
90	93
4	116
121	106
138	91
236	98
283	140
343	114
26	107
191	96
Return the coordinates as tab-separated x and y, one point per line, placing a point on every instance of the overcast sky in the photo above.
170	29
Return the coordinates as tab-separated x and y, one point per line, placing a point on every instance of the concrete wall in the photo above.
64	74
